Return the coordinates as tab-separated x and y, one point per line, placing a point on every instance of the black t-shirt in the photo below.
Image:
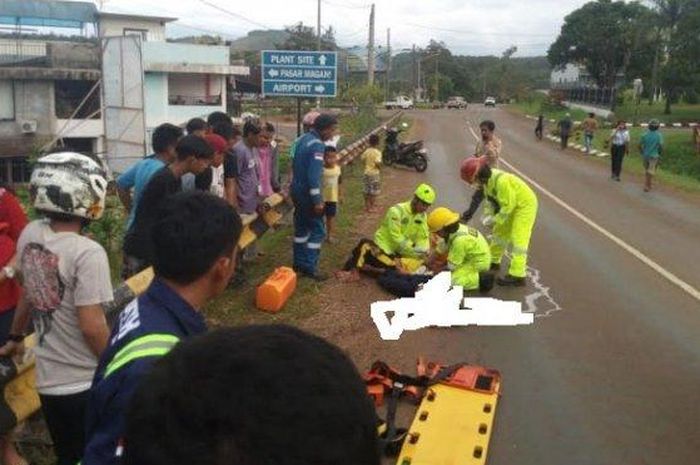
137	242
202	181
230	165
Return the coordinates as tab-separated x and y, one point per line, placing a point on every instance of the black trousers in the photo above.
617	153
65	418
564	139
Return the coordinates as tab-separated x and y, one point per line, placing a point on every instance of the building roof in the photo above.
115	15
47	13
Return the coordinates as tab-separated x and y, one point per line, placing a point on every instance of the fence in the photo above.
590	95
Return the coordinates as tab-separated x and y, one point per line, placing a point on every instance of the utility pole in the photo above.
388	63
318	31
437	78
370	52
413	69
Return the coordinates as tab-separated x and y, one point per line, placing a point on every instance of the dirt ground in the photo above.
344	318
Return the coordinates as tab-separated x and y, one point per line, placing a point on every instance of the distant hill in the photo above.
256	41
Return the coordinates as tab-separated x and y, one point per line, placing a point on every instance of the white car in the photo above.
401	102
490	102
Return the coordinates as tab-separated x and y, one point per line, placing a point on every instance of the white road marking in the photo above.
690	290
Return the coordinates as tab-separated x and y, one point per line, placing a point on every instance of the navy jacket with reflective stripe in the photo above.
158	311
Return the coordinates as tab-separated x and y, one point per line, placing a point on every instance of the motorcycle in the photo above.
411	154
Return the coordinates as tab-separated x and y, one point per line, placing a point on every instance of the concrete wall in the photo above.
165	52
155	98
80	55
34	100
110	27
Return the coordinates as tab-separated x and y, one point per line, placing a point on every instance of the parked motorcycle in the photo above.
411	154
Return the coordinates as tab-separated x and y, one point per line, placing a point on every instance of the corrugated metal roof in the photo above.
47	13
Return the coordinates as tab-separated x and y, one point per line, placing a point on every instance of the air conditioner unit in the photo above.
28	126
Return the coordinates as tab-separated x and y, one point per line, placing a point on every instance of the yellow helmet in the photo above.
440	218
426	194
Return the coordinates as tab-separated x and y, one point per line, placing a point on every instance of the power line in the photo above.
235	15
507	34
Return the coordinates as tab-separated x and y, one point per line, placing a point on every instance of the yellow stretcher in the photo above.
454	421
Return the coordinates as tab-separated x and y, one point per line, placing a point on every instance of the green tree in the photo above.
601	35
304	38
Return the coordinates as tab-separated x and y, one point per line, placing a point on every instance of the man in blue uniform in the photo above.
306	194
194	257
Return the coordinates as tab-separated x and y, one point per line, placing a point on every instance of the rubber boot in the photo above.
509	280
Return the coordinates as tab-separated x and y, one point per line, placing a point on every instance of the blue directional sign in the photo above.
299	74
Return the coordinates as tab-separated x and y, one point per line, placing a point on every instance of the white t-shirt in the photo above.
62	271
217	181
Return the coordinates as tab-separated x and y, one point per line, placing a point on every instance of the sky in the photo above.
467	27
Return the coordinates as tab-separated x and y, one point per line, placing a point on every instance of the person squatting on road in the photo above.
403	232
278	396
468	252
194	254
65	281
307	168
651	147
511	211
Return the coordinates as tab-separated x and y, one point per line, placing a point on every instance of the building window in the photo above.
15	170
195	89
143	33
7	101
68	95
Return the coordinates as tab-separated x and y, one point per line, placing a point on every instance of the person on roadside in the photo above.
212	179
651	147
307	182
404	232
248	168
511	213
565	125
132	183
194	156
468	252
217	117
539	129
197	127
194	253
314	410
372	158
489	146
331	189
12	222
590	126
619	147
269	162
307	124
232	135
65	282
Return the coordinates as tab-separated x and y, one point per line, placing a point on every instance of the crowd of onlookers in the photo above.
122	392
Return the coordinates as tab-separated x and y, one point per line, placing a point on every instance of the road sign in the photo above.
299	74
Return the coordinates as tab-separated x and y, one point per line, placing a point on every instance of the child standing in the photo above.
331	188
372	158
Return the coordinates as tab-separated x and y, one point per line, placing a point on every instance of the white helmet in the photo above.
69	183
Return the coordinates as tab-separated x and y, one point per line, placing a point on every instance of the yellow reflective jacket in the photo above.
507	192
403	233
468	247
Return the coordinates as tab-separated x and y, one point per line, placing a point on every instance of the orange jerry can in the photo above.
276	290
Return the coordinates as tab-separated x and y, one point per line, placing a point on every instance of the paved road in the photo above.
610	371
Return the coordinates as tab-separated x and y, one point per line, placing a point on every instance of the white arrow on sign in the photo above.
322	60
273	73
319	89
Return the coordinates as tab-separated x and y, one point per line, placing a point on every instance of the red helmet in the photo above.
470	168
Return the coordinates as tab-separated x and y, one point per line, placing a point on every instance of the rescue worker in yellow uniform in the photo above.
468	252
511	211
404	230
